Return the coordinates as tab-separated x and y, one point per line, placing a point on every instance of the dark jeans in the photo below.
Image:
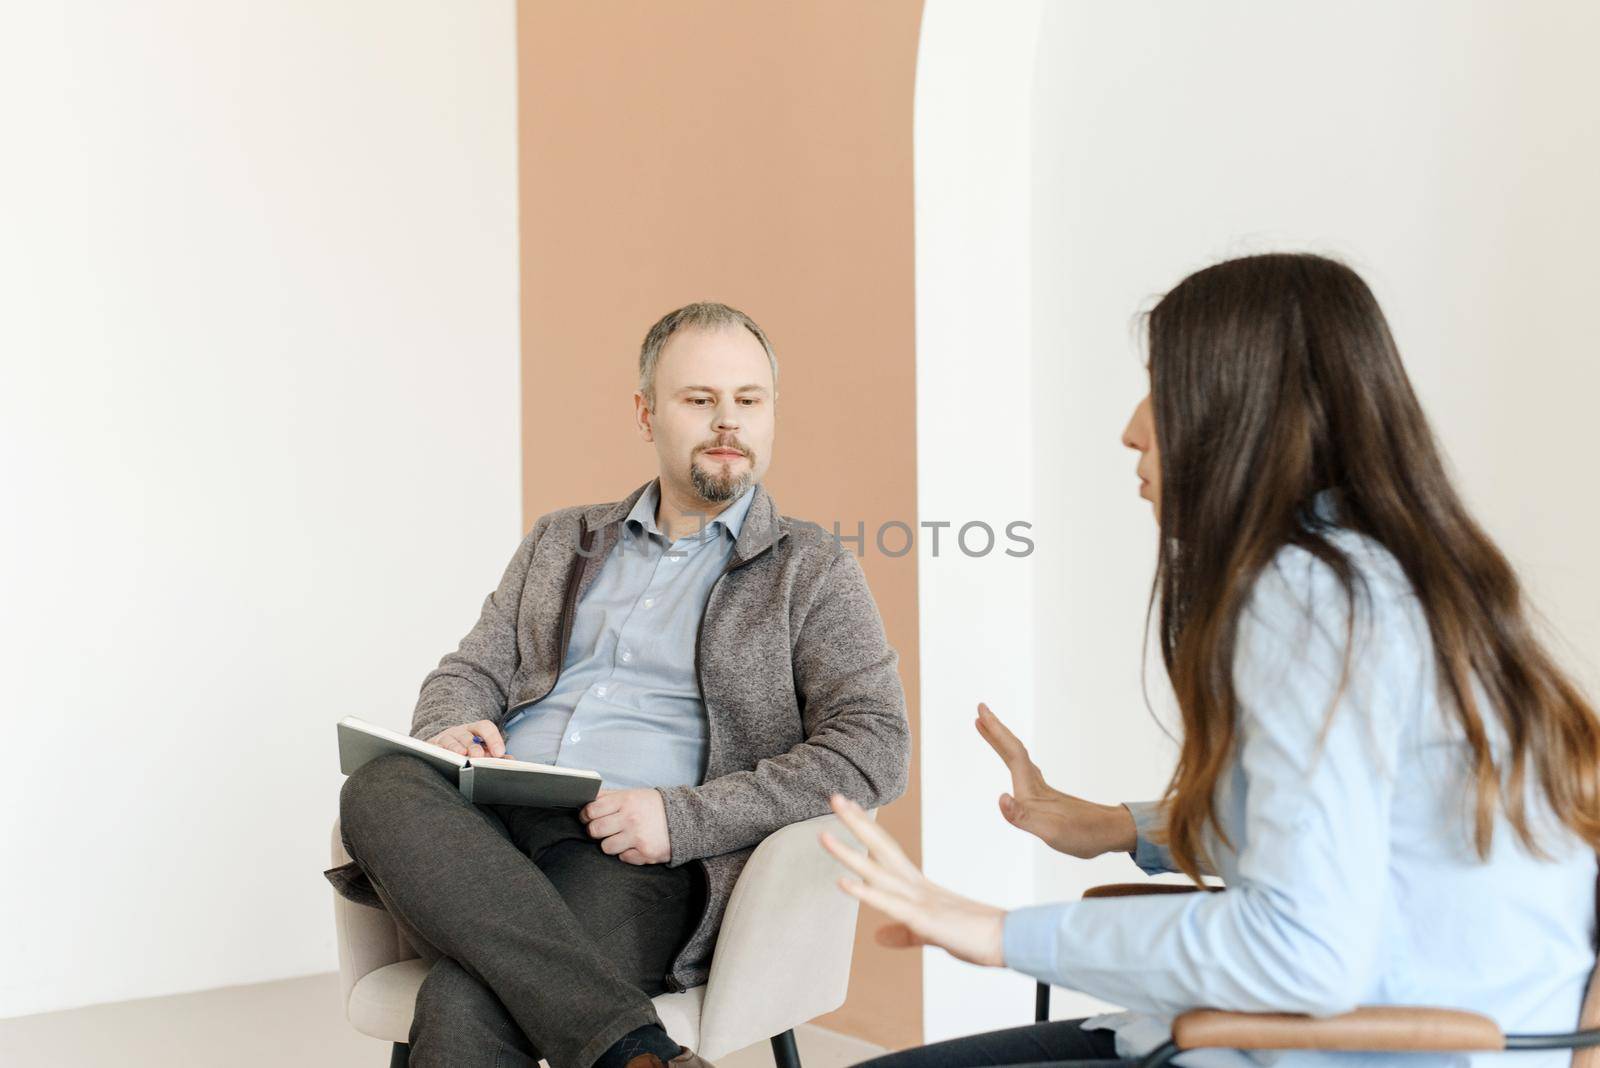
1057	1042
539	944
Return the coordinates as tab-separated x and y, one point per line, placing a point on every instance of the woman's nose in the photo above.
1128	438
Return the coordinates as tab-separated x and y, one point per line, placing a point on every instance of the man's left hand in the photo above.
631	825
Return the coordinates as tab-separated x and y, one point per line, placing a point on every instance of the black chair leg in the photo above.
784	1051
400	1056
1041	1003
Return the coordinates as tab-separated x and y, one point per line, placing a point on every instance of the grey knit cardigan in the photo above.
800	686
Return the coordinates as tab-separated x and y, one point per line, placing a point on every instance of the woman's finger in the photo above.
1025	773
879	842
1010	810
854	819
891	905
999	737
863	865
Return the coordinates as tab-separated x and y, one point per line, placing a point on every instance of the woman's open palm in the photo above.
1065	823
923	913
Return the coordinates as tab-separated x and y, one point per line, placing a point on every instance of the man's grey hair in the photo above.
705	315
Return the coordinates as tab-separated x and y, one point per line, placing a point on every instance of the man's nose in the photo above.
727	417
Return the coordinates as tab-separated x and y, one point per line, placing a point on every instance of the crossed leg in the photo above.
568	967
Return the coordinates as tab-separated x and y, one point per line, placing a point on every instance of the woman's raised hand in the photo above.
922	913
1065	823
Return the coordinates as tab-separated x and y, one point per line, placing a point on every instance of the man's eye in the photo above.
751	401
700	401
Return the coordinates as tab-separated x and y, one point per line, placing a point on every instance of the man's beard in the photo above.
719	489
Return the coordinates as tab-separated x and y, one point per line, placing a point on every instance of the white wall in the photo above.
259	444
974	372
1448	152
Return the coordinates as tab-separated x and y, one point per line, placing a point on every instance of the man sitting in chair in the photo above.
723	668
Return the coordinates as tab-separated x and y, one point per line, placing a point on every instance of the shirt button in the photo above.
626	656
575	736
649	601
601	689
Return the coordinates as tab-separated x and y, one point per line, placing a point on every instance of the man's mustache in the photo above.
734	445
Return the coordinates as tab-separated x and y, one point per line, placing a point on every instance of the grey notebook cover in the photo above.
493	782
360	742
486	784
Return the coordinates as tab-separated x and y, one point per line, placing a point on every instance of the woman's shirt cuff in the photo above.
1030	939
1152	859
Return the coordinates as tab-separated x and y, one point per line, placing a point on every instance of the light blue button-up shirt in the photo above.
627	703
1351	876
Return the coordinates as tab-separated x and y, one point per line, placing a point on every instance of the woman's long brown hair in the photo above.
1273	378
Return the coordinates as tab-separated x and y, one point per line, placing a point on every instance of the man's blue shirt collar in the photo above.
731	518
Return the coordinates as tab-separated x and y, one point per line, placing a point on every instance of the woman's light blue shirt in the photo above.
1351	873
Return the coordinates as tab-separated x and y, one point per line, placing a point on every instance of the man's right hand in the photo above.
459	739
1065	823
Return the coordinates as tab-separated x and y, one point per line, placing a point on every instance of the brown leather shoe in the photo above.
686	1058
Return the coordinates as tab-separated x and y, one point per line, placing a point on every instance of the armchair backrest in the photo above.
784	950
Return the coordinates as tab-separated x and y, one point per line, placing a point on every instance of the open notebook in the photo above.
484	780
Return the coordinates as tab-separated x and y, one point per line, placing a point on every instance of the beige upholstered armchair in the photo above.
785	908
1370	1029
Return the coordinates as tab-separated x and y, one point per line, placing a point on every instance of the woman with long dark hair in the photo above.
1396	782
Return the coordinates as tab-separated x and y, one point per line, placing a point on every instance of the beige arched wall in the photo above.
757	154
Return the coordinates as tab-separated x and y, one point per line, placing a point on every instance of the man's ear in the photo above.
642	417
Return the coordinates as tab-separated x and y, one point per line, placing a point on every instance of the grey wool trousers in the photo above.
539	944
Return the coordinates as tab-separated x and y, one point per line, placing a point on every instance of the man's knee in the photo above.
381	787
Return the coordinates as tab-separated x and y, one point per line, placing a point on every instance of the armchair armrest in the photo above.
1142	889
367	938
783	952
1369	1029
1374	1028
